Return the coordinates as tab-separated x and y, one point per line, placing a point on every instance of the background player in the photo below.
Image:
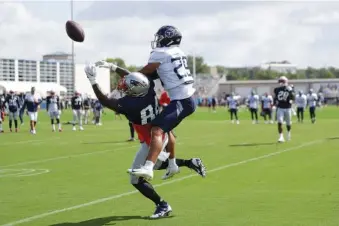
98	112
77	107
53	109
283	99
253	104
87	107
266	105
140	106
301	102
2	113
14	107
32	102
232	103
312	99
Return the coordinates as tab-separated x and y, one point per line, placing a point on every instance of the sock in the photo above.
131	129
10	124
171	162
148	191
16	124
149	165
0	126
59	125
179	162
53	126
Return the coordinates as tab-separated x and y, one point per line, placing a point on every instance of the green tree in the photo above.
200	66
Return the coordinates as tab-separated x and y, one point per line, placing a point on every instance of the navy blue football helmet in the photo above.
166	36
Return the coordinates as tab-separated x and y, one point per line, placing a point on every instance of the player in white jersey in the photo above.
253	104
312	99
301	102
266	106
233	102
32	102
168	62
53	109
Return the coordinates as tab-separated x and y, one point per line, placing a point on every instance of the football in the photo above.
75	31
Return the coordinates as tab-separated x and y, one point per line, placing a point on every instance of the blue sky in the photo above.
225	33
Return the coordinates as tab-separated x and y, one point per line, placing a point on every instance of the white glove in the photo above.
105	64
91	73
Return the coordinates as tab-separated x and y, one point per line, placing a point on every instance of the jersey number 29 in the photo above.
181	67
283	95
149	113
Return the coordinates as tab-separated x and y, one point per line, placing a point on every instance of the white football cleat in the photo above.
281	139
81	128
288	136
74	129
142	172
162	210
171	171
238	122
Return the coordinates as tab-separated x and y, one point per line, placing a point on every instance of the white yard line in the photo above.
66	157
36	217
83	154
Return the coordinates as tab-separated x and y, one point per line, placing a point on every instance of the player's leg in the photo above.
302	114
21	114
166	121
288	120
252	114
35	121
231	115
51	116
15	117
75	118
79	117
145	188
236	115
265	115
1	130
195	164
169	145
256	115
280	119
313	111
131	130
57	118
10	120
299	114
31	123
86	116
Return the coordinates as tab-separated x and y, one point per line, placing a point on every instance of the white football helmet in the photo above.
134	84
283	81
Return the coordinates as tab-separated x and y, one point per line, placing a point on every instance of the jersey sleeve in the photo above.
157	57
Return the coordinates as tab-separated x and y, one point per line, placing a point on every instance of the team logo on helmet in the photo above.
169	33
137	83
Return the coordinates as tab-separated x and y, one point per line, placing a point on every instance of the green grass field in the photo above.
80	177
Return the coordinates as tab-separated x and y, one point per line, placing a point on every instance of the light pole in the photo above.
73	64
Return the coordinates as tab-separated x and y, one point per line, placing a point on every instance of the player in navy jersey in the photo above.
77	107
2	114
140	106
98	112
13	106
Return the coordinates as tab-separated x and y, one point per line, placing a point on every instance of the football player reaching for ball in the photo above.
170	63
140	106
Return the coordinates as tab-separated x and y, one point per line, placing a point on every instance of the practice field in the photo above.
79	178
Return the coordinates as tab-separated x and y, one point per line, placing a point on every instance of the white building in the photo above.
20	75
282	67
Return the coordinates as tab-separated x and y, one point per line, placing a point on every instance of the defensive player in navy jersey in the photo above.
13	106
140	106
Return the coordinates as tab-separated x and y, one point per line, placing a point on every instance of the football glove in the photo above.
105	64
91	73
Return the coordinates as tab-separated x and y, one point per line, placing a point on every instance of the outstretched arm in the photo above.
110	103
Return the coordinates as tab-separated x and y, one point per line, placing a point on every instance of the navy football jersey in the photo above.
77	103
284	96
140	110
13	103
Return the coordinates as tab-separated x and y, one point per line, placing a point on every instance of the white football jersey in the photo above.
53	104
301	101
173	72
253	101
232	102
267	101
312	99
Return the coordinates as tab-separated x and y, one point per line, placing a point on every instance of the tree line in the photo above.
255	73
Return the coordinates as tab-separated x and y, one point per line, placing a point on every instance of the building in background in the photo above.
58	56
282	67
49	74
